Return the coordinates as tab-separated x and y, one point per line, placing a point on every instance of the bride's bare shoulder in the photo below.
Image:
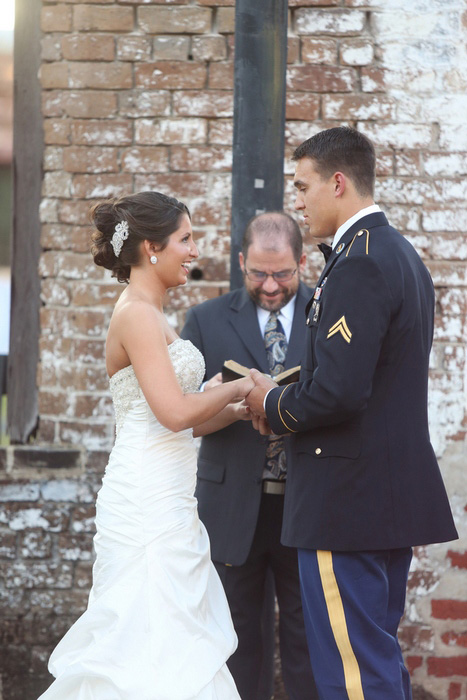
134	309
136	319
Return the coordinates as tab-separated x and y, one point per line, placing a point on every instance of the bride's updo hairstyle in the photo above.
151	216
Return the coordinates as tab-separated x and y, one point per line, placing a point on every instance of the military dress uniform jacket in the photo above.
362	473
231	461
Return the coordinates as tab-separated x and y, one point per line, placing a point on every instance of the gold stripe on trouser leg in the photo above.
353	680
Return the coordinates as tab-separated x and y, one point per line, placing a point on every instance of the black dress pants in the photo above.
245	589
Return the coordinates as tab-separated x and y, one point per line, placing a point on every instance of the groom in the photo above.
363	483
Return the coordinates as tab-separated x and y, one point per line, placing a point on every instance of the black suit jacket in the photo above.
363	474
231	461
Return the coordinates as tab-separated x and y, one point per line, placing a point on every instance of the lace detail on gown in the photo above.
157	626
189	368
125	389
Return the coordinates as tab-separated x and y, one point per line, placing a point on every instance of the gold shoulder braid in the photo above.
360	233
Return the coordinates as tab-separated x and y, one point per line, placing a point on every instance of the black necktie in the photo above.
326	250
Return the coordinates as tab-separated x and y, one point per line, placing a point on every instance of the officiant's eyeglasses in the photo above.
259	277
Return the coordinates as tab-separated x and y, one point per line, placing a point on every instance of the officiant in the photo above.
241	475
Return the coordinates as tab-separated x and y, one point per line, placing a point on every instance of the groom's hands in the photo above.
255	401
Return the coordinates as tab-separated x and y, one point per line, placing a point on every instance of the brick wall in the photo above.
139	95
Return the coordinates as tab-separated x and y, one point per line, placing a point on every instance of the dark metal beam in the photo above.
27	182
259	116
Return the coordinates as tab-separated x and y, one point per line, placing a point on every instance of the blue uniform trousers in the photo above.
352	604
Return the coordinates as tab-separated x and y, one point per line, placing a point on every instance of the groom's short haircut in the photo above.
342	149
272	228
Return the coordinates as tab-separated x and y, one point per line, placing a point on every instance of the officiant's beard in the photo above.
276	300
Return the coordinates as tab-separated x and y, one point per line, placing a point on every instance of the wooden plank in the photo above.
27	182
259	116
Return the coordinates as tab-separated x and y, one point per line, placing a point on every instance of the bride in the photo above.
157	626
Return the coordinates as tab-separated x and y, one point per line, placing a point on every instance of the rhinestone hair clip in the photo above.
121	233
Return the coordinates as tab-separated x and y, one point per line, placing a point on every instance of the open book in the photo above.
233	370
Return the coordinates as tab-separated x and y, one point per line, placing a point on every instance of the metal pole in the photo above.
259	116
28	140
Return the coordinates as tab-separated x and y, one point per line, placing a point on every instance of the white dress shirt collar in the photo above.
347	224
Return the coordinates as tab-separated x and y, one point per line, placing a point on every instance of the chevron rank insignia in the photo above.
340	327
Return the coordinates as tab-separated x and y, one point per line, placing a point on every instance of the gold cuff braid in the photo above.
280	412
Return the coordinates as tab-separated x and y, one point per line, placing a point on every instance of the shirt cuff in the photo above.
264	401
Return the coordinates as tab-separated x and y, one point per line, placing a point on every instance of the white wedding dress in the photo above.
157	626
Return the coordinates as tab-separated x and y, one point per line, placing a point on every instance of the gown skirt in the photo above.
157	625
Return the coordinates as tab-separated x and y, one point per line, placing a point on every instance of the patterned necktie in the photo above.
276	351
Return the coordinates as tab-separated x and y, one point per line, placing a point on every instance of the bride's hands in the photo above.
242	387
216	380
240	411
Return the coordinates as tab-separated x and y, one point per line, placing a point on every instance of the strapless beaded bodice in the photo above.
189	367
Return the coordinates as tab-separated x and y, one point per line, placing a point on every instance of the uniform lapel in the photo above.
244	319
296	345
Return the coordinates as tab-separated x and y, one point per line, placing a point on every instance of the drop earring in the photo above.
153	259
